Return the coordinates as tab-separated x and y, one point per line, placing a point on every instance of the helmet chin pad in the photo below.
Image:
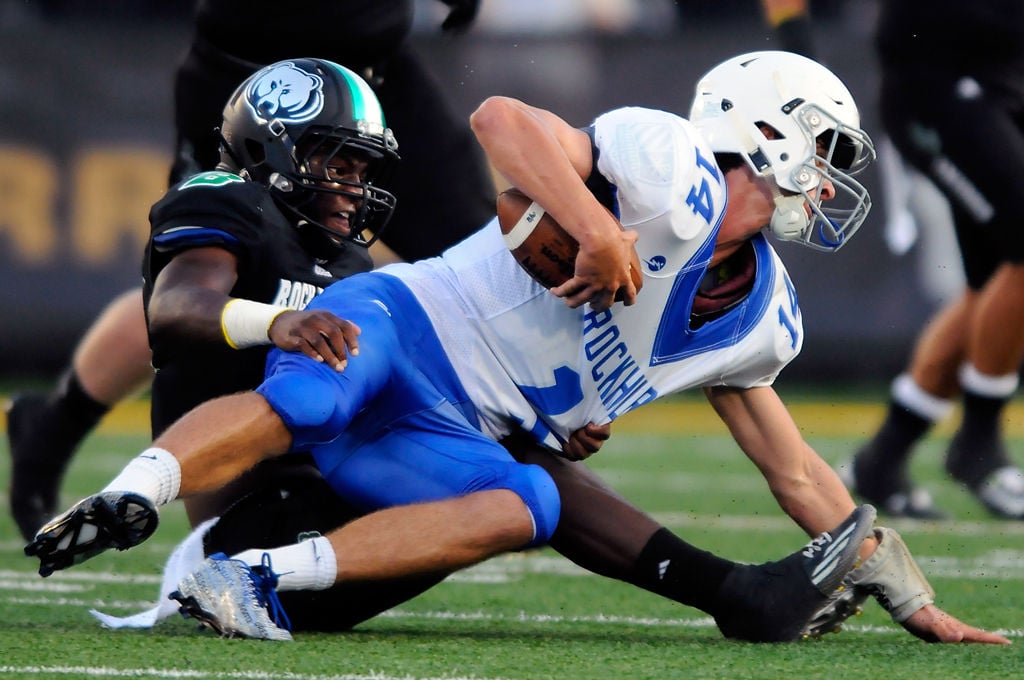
790	220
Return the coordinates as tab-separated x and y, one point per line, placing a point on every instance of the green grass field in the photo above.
535	615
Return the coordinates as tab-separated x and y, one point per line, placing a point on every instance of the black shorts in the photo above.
970	142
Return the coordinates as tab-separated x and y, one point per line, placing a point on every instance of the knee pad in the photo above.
534	485
308	420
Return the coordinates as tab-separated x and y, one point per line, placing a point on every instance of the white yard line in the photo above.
103	672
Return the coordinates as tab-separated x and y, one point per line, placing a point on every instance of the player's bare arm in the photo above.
189	295
188	304
762	426
548	160
804	485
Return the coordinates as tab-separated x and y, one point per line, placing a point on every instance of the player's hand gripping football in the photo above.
318	334
606	270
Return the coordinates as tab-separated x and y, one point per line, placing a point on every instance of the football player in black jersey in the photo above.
232	39
952	99
293	206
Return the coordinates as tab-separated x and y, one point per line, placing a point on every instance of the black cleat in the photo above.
844	603
1002	492
114	519
888	490
984	468
38	459
775	601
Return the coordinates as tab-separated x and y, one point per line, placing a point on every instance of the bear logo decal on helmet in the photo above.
286	93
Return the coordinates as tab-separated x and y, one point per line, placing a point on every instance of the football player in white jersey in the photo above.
461	350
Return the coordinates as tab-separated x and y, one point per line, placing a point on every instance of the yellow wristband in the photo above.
246	323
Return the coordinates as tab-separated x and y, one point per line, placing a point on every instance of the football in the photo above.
540	245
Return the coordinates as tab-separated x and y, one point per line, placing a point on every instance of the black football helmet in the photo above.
290	111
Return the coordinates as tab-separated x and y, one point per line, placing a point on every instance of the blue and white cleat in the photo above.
234	599
112	519
776	601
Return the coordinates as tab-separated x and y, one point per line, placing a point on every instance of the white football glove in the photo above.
893	577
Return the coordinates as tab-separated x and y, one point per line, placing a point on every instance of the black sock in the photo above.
891	446
982	416
672	568
72	413
977	449
880	467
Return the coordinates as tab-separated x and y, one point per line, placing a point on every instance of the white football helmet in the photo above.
815	136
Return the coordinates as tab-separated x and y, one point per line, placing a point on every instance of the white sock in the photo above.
154	473
307	565
992	386
912	397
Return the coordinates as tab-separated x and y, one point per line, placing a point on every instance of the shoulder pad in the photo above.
212	178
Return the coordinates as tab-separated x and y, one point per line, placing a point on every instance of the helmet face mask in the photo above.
291	121
797	126
840	153
312	183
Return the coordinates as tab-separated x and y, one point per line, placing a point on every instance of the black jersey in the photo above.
223	210
983	39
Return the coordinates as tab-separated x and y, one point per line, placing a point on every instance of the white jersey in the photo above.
528	361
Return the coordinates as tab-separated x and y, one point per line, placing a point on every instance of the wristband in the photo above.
246	323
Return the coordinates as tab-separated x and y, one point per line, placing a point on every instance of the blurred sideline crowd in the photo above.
529	17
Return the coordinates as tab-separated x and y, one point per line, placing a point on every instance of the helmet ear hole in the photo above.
769	131
255	151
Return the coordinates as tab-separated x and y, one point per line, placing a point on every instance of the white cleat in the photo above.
234	599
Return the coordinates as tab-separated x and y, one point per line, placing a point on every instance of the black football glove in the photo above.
462	14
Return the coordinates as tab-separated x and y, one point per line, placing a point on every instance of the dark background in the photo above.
85	79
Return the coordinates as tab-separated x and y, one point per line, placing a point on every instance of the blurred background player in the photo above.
231	41
791	22
952	99
234	252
